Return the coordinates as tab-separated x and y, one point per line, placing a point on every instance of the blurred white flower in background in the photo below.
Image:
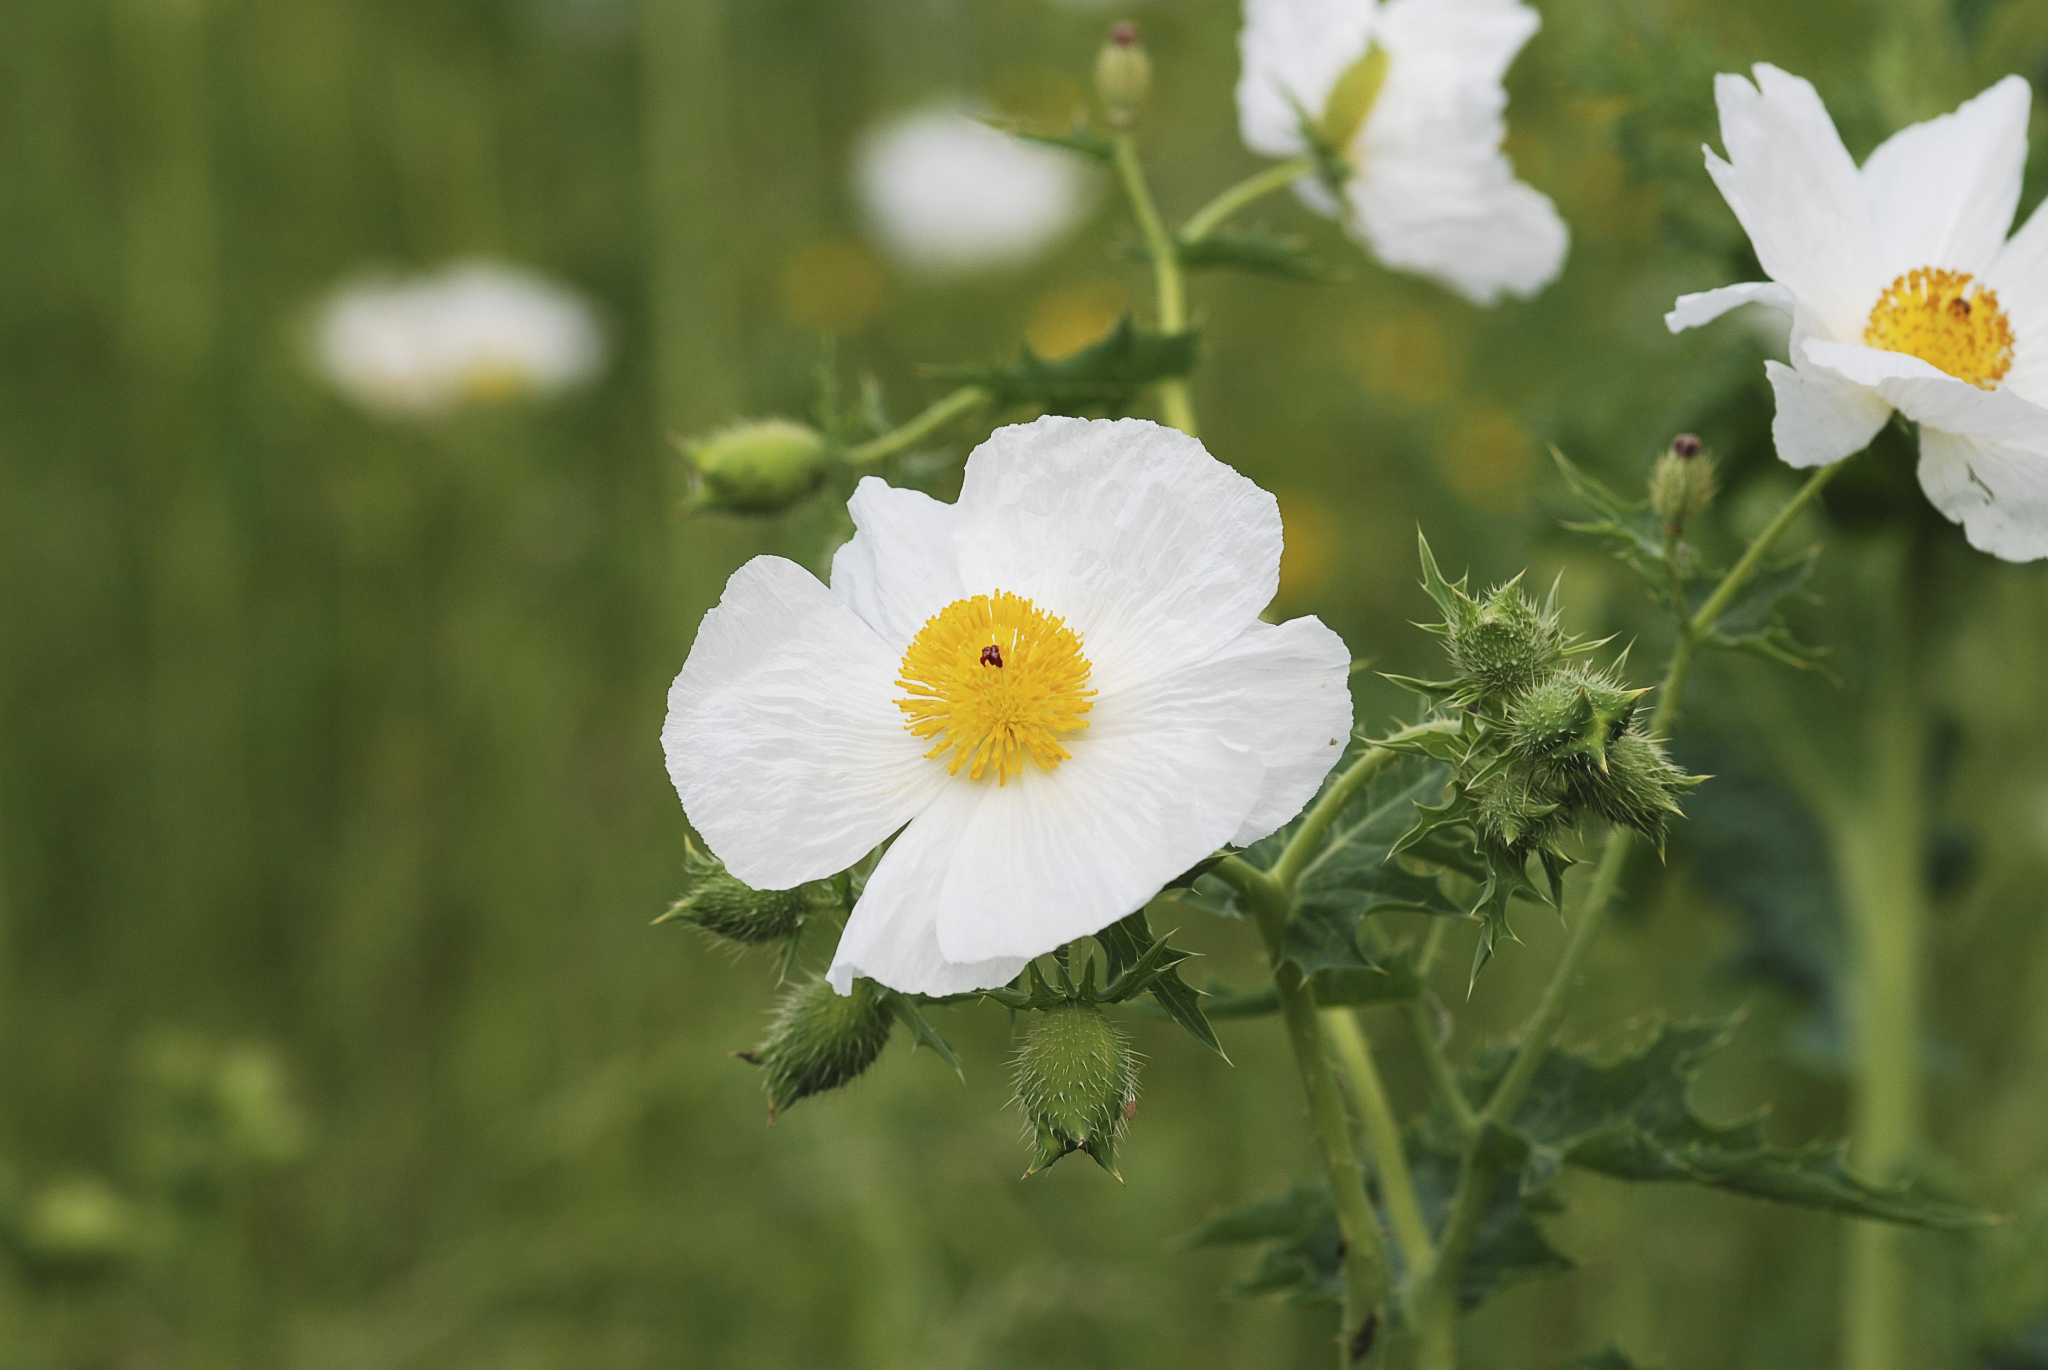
1407	100
474	333
1903	291
944	193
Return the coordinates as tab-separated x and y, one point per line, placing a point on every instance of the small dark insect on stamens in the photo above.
992	655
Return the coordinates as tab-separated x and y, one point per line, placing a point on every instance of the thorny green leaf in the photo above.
1631	1118
1080	138
922	1033
1255	251
1128	945
1100	377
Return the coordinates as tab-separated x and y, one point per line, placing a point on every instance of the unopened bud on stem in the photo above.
819	1040
1077	1082
1123	75
758	467
1682	483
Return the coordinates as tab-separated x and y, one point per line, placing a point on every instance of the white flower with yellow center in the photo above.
1409	99
1056	693
475	333
944	193
1903	291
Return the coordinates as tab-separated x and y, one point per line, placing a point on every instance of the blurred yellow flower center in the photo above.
993	679
493	382
1946	320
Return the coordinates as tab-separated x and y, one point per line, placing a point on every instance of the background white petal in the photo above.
2020	277
1705	306
1821	418
1793	187
782	736
1943	193
1291	54
1151	549
944	193
901	565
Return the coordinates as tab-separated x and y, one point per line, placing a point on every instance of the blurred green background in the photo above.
332	1032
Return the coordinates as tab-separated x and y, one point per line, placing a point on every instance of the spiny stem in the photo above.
1175	404
1477	1173
1252	188
904	436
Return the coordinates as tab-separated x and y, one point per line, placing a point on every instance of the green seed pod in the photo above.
1504	643
1077	1082
758	467
1123	76
1639	788
820	1039
724	907
1683	482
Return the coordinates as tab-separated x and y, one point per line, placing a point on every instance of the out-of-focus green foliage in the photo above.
332	1033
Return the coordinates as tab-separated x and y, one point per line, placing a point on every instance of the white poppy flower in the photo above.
945	193
1410	98
1058	689
1903	292
473	333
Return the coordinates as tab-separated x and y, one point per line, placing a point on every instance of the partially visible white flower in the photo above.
473	333
1903	293
1410	99
945	193
1056	693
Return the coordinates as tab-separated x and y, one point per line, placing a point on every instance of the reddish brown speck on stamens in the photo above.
1124	34
1686	444
992	655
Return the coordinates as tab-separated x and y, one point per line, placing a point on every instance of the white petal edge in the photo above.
1998	491
2021	279
1152	550
1821	418
1943	193
901	566
1705	306
1292	53
1794	189
1484	237
782	737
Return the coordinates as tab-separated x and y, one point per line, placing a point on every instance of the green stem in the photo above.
1301	848
1365	1254
1251	189
1477	1173
1878	838
1176	405
1382	1133
907	435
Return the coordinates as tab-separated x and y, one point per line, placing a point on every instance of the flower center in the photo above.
1946	320
993	679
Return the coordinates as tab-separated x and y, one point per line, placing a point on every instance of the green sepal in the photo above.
1079	139
922	1033
1101	377
1128	946
1256	252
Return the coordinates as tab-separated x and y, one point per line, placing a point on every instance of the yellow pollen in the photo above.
1947	321
993	679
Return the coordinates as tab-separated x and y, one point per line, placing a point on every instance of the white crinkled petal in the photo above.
1943	193
1292	53
892	936
1821	418
900	567
2020	277
1793	187
782	736
1153	551
1998	490
1436	195
1705	306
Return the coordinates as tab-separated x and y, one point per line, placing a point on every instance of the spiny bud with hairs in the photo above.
761	466
1683	482
726	908
1500	643
1077	1083
820	1039
1123	75
1638	788
1563	724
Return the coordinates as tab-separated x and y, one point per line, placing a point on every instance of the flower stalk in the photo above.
958	404
1176	405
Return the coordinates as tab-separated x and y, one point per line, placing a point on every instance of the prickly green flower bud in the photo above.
1077	1082
724	907
1504	642
759	467
820	1039
1570	718
1520	807
1683	482
1639	788
1123	76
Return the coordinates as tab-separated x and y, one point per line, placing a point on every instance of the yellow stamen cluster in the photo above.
1946	320
993	679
